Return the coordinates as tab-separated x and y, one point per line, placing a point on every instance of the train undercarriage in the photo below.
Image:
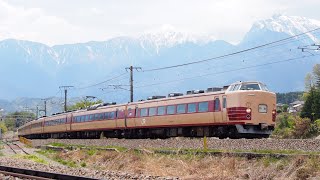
231	131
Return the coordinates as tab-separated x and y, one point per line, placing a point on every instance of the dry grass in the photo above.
196	166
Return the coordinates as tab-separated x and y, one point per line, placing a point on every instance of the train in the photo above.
239	110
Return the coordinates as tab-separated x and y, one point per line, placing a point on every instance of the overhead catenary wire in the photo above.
230	54
232	70
96	84
243	60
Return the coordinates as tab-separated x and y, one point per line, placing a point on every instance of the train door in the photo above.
69	122
217	109
131	114
120	118
224	108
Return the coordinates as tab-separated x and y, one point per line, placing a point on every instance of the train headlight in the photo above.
274	112
248	110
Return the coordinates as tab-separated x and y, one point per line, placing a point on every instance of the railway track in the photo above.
37	175
16	149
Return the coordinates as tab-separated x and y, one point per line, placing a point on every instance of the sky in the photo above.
55	22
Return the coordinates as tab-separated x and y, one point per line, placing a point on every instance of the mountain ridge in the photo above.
31	69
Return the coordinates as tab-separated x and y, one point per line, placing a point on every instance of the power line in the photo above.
96	84
232	70
230	54
232	63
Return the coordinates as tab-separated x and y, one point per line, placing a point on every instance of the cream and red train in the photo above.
243	109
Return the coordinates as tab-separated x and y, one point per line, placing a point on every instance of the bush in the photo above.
289	126
3	128
284	126
302	127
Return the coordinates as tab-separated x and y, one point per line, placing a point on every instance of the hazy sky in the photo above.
70	21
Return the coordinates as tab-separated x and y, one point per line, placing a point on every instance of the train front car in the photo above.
253	106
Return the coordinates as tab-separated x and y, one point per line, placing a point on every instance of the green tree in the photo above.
18	118
311	108
83	104
285	108
3	127
316	75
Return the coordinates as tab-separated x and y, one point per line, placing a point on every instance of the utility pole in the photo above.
131	68
65	88
37	112
45	106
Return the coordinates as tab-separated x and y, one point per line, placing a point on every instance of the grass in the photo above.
65	162
267	151
54	155
200	151
32	158
193	164
71	146
91	152
57	144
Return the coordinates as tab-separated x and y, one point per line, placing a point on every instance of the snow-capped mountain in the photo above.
168	36
291	25
31	69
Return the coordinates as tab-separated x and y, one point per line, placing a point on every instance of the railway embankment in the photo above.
303	145
178	158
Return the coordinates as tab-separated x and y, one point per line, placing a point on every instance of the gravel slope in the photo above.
309	145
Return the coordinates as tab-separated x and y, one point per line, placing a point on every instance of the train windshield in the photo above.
253	86
264	87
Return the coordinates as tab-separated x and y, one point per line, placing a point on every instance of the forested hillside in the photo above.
287	98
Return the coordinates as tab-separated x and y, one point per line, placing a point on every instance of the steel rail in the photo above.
38	175
11	147
21	148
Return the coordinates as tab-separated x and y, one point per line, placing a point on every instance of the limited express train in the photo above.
242	109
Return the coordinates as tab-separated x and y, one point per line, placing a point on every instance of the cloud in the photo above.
34	24
60	21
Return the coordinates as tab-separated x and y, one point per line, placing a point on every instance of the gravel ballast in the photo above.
308	145
21	163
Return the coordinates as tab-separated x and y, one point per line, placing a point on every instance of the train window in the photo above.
181	108
144	112
203	106
264	87
171	109
87	118
91	117
231	87
96	116
224	104
250	87
83	118
106	115
236	87
217	104
101	116
161	110
112	115
152	111
192	108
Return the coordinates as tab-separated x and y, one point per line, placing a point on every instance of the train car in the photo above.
36	127
56	126
243	109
